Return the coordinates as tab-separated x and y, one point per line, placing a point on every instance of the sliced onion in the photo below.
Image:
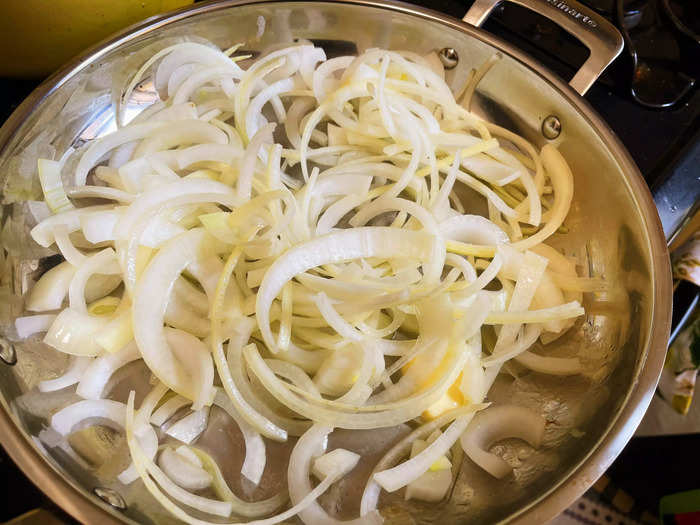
370	496
102	146
168	409
112	412
33	324
335	247
102	262
71	376
181	192
473	229
556	313
146	467
52	186
529	277
143	462
408	471
558	366
563	185
182	471
75	333
256	105
183	132
96	376
100	192
334	319
117	332
294	374
197	79
497	423
190	427
207	152
299	484
247	170
44	233
355	418
291	426
149	442
255	457
150	300
320	81
195	357
253	416
244	508
66	247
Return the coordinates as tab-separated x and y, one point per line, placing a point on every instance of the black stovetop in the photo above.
658	67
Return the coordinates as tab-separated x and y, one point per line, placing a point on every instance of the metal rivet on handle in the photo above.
449	57
7	352
551	127
111	497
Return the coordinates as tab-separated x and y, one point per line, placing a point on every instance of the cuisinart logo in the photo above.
573	12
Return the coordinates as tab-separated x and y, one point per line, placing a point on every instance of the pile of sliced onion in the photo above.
295	232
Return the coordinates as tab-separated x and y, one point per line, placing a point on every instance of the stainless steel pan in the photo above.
613	220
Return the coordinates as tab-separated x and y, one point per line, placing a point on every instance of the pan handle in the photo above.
602	39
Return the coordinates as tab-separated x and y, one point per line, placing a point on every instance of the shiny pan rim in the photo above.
89	509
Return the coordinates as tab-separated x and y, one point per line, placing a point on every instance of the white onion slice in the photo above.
335	247
190	427
563	186
558	366
71	376
247	168
185	191
410	470
168	409
96	376
300	485
103	262
207	152
494	424
113	413
44	233
220	486
100	192
370	496
473	229
195	357
66	247
145	467
529	277
182	471
149	442
75	333
33	324
183	132
255	456
150	300
101	146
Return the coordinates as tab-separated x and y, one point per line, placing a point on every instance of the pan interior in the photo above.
605	224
